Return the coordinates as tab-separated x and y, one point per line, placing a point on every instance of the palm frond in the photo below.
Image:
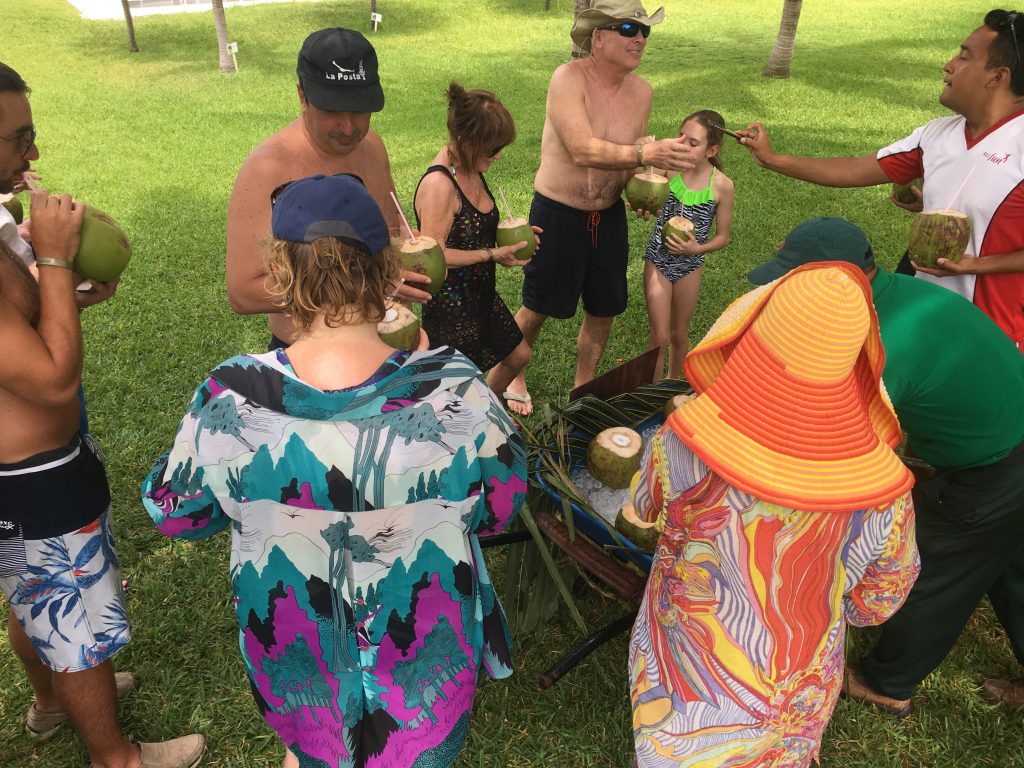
538	571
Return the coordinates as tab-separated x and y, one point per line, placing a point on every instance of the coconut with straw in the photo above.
514	230
647	191
103	248
422	254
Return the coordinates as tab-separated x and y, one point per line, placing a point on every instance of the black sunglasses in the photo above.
1009	20
629	29
25	140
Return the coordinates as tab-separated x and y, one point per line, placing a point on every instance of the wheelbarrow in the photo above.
622	397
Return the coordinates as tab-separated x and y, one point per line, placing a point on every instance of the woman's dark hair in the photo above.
715	135
478	124
1005	50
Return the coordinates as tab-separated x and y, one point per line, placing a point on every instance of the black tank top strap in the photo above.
435	169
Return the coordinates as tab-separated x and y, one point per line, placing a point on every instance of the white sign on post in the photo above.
376	19
233	49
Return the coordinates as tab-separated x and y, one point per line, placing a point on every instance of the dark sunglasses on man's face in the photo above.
629	29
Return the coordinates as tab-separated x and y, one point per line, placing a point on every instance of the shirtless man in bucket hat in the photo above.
595	138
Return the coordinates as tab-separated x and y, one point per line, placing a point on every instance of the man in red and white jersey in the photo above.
979	151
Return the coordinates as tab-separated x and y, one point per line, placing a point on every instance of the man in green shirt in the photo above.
957	384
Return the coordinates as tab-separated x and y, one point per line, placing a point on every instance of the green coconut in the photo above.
613	456
647	192
93	212
674	403
904	192
399	328
680	226
645	535
13	206
103	250
512	231
425	256
939	234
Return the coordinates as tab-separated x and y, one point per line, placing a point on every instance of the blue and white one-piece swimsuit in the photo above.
700	208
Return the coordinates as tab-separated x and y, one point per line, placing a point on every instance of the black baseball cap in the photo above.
828	238
338	72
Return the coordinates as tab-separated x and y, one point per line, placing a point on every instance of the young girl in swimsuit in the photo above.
704	195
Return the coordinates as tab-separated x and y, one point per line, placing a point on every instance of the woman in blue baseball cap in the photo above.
355	478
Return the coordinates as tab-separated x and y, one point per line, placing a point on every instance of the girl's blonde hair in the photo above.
343	282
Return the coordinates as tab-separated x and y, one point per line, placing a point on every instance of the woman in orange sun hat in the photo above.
784	514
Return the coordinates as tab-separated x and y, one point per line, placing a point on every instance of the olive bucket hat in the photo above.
602	12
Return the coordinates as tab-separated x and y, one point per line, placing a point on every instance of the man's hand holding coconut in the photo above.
595	139
972	163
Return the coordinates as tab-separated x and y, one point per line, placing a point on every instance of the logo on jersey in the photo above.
995	158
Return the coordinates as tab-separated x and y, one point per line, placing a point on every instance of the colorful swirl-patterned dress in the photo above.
363	600
736	658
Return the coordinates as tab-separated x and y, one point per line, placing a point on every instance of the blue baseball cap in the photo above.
329	206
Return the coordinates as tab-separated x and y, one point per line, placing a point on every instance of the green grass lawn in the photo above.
155	138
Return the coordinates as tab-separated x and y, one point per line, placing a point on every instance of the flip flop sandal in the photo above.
519	397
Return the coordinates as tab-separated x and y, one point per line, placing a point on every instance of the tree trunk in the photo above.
782	54
133	45
227	64
578	7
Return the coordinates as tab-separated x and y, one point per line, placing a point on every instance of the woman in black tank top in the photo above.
455	206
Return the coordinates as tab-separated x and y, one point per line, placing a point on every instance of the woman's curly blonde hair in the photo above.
345	283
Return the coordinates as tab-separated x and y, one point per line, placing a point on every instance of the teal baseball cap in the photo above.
827	238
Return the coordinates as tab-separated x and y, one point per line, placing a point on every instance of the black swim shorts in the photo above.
583	253
54	492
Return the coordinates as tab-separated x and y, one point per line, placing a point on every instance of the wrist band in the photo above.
490	254
55	263
639	154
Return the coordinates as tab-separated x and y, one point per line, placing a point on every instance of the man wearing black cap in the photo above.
957	385
339	89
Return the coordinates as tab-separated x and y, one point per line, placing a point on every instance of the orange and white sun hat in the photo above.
791	406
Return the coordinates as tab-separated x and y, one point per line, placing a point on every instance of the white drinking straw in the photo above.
508	211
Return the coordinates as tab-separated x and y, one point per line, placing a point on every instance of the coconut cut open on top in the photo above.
938	234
